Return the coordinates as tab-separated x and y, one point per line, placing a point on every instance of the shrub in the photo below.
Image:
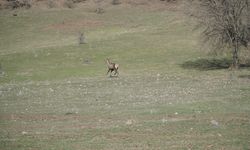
82	39
78	1
14	4
116	2
51	4
69	3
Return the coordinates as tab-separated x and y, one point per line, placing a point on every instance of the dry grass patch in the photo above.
74	25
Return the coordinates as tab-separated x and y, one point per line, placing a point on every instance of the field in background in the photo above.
54	93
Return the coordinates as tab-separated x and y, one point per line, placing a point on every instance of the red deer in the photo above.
112	67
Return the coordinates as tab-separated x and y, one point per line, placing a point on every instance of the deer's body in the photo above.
112	67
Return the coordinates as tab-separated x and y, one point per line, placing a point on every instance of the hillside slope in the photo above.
55	94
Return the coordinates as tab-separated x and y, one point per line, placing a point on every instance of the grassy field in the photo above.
54	93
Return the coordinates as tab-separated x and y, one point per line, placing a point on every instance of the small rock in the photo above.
164	120
19	93
51	90
129	122
198	111
214	122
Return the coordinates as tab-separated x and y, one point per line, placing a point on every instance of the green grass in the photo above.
38	42
54	93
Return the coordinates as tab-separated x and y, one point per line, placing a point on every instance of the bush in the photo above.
82	39
14	4
1	5
116	2
169	0
51	4
69	3
78	1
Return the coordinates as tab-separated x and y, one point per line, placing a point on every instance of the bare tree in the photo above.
224	23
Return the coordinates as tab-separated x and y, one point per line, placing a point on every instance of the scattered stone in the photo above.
151	111
198	111
129	122
214	122
19	93
164	120
51	90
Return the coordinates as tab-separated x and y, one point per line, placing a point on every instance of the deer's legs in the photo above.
116	72
111	72
108	71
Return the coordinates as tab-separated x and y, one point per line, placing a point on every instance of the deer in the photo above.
112	67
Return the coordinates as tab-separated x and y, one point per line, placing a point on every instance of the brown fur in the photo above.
112	67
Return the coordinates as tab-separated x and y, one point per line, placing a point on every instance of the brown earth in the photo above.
150	4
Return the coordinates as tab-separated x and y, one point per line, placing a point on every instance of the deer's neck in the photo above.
109	64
